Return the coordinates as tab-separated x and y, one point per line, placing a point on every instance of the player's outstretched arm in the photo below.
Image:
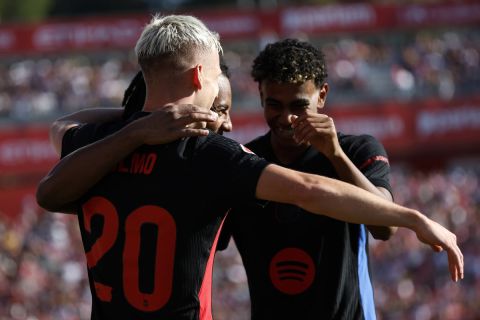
342	201
77	172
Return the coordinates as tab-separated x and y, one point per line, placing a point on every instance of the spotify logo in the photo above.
292	271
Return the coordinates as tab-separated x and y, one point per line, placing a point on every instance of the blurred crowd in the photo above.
36	89
43	275
42	265
411	281
371	68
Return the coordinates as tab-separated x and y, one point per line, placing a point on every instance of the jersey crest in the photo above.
245	149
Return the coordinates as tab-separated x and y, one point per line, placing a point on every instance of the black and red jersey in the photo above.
149	228
304	266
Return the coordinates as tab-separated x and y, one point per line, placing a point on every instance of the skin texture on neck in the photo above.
176	88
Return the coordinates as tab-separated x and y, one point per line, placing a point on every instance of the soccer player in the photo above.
299	265
154	211
135	98
174	121
222	105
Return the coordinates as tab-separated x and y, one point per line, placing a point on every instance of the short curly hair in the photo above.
290	61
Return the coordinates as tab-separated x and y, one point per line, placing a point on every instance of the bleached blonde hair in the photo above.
176	37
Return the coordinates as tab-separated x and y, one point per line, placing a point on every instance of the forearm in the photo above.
85	167
333	198
346	202
348	172
342	201
93	115
78	172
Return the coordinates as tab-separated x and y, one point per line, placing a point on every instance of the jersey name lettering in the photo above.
138	163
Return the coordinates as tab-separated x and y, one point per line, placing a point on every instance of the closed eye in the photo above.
271	103
299	106
220	109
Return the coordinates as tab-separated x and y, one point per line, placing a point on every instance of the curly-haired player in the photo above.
290	61
301	266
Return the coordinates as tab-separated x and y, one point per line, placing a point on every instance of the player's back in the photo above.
148	238
149	226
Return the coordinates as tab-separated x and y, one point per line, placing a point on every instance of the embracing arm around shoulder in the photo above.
73	175
93	115
333	198
78	172
343	201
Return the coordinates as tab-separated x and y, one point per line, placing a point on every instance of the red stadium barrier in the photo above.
403	129
25	150
122	31
17	200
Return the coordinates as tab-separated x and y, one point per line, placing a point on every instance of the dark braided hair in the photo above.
290	61
224	68
134	96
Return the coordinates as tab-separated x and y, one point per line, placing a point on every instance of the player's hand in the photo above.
439	239
173	122
318	130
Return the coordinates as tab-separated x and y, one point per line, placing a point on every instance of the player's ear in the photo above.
322	97
197	76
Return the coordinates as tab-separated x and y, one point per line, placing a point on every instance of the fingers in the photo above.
176	121
455	258
306	129
459	253
455	265
308	134
208	116
306	123
455	262
307	118
184	108
189	132
189	112
445	240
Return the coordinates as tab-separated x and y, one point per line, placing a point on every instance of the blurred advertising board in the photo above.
121	32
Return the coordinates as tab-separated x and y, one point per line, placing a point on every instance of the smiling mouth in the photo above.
285	132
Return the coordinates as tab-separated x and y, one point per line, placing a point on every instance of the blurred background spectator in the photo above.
373	68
